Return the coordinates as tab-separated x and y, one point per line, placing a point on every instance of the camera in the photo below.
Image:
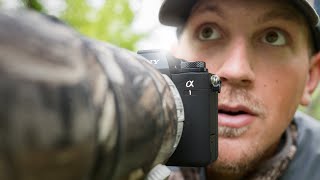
110	112
199	90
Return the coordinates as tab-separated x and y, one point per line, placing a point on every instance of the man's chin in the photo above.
236	155
228	169
232	165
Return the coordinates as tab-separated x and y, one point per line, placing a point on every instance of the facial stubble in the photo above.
249	157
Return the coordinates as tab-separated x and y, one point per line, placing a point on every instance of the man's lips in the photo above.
235	116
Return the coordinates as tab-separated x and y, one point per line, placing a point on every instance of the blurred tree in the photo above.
112	22
317	4
314	109
33	4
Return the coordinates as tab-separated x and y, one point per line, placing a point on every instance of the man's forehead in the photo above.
270	9
216	5
208	2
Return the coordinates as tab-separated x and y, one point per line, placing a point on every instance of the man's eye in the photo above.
275	38
209	32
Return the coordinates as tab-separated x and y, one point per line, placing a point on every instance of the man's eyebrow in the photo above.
207	7
288	14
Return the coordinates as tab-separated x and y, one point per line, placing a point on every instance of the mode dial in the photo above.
196	66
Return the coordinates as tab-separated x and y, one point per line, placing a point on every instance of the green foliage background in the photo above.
111	22
313	109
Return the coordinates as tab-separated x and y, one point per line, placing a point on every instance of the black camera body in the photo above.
199	90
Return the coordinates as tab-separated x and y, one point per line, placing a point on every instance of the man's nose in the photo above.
237	65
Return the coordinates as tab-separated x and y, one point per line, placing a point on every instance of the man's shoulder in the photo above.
306	120
308	129
305	162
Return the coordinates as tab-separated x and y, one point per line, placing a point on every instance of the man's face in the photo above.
260	50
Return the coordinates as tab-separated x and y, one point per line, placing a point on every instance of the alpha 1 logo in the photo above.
189	83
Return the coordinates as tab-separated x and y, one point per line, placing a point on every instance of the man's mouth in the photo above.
232	113
236	116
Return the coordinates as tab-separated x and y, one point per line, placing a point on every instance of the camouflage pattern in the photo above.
76	108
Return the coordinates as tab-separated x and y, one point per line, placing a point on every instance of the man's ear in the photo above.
313	79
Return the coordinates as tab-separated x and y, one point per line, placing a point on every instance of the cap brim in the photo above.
175	12
308	11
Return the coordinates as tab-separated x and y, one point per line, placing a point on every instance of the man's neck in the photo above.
211	175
